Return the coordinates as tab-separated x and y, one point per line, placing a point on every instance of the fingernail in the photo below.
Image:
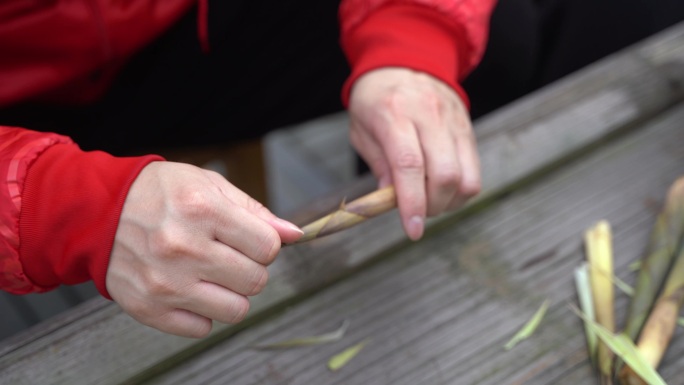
291	225
415	227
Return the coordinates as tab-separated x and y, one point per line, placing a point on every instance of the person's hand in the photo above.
413	131
190	248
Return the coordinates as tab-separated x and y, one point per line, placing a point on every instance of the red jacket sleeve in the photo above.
443	38
68	52
60	208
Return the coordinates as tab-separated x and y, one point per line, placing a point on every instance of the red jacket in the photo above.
59	205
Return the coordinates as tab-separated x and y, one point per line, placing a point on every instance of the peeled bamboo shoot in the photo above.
598	243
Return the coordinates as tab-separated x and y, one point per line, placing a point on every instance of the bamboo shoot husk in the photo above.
352	213
664	242
661	322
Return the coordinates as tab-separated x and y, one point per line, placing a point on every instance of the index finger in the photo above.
404	153
245	232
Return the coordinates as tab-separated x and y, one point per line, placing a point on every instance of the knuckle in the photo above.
433	102
192	202
258	281
238	310
471	189
393	104
268	247
446	178
393	101
254	205
168	243
199	329
409	160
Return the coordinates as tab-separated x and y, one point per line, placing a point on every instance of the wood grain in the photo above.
99	344
440	311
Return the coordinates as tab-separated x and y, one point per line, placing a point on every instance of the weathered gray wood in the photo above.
439	312
21	311
107	346
11	320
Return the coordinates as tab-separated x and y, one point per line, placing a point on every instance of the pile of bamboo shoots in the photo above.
633	355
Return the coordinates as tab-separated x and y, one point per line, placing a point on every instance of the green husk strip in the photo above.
352	213
623	286
680	322
664	242
587	305
598	242
308	341
623	347
635	266
529	328
662	321
341	359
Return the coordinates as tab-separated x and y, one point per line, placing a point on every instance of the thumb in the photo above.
288	231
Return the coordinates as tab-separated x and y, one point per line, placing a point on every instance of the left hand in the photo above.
190	247
413	131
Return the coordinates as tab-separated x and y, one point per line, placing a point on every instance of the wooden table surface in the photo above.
440	311
605	143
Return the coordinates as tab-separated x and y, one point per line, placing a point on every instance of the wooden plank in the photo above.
440	311
21	311
242	163
12	319
107	346
312	160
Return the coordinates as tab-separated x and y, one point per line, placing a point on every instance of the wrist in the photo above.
71	205
407	36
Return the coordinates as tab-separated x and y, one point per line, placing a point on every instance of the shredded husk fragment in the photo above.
341	359
333	336
529	327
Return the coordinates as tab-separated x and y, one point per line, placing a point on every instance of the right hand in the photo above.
414	132
190	248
